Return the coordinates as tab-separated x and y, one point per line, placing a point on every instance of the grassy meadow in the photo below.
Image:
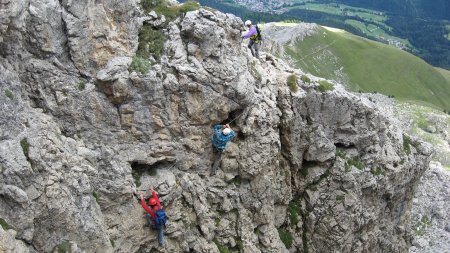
370	66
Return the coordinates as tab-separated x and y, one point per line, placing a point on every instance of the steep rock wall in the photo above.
76	125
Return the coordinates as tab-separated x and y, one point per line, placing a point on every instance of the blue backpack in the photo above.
160	218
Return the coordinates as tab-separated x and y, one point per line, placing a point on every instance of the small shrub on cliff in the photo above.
140	65
293	210
292	83
151	42
96	195
325	86
422	225
286	237
9	94
340	197
25	147
220	247
354	162
340	153
305	79
406	144
378	171
4	224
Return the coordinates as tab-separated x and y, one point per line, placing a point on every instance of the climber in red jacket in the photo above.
156	216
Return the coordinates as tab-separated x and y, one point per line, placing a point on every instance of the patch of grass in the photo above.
325	86
140	65
422	225
407	144
236	180
354	162
294	211
217	221
305	79
81	86
255	72
9	94
220	247
239	244
96	195
286	237
4	224
378	171
63	247
113	244
25	147
367	66
340	197
341	153
292	83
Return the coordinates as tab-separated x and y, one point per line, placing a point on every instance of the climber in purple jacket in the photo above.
255	38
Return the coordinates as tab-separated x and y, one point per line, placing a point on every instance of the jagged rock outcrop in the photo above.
76	126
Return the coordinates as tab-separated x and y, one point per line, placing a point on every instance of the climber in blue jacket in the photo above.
221	136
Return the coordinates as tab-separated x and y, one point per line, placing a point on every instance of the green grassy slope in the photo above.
445	73
371	66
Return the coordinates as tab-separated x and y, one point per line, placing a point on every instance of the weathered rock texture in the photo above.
431	220
75	123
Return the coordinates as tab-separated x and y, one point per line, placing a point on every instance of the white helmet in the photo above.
248	22
226	131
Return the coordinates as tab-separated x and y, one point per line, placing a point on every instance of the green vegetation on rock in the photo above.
325	86
407	144
377	171
4	224
294	211
305	79
81	86
151	42
422	225
9	94
25	147
140	65
220	247
292	83
96	195
286	237
354	162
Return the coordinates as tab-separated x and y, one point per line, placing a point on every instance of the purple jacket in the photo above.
250	32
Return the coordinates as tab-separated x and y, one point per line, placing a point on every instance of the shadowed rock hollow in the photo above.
310	171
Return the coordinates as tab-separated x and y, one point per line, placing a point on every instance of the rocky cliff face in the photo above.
325	169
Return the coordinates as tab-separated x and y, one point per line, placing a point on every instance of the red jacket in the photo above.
155	207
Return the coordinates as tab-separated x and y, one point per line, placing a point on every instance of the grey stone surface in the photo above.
79	125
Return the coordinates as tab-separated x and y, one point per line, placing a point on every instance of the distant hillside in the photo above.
370	66
435	9
419	26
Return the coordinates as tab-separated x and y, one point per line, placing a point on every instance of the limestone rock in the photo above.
79	133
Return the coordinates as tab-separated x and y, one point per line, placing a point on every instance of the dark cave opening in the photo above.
139	168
